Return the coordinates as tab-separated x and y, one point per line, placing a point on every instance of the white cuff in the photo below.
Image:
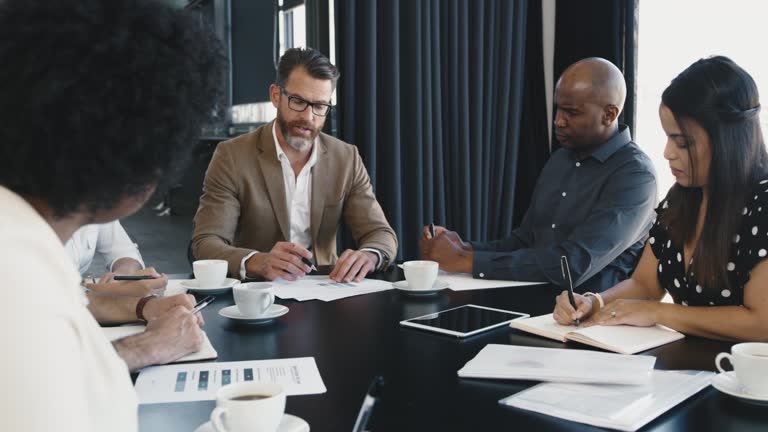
378	254
242	263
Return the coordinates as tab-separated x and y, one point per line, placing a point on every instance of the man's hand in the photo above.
167	338
126	266
283	261
141	288
158	307
353	265
447	248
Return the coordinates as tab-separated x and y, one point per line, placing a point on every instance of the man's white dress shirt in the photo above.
109	240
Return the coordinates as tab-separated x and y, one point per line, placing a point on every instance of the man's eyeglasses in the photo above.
300	105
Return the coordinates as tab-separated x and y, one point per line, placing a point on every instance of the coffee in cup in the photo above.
750	364
210	273
248	407
420	275
253	299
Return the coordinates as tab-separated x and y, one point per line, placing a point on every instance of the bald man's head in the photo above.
589	96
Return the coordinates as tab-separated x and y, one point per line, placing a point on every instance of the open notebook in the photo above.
622	339
621	407
207	352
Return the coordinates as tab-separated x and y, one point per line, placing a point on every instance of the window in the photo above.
674	34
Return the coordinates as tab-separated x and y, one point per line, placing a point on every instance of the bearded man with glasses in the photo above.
273	198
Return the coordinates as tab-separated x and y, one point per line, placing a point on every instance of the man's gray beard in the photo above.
297	143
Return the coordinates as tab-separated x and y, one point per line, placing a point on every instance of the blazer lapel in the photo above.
273	178
319	189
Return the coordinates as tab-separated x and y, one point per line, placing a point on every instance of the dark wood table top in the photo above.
357	338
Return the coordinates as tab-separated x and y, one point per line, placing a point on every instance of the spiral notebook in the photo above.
622	339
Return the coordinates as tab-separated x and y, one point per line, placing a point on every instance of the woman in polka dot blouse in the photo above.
708	245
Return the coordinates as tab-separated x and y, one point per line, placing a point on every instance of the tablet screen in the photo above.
464	320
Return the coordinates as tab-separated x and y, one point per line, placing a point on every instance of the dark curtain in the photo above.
599	28
445	101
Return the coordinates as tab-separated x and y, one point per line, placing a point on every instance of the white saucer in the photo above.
274	311
191	285
407	290
289	423
726	383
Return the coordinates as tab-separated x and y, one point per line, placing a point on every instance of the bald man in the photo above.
593	202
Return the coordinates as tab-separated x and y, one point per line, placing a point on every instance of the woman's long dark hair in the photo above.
722	98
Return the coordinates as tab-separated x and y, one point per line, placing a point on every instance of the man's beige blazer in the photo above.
243	207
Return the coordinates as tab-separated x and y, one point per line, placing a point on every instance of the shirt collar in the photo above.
622	138
281	156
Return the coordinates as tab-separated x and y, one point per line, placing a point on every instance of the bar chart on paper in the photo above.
200	381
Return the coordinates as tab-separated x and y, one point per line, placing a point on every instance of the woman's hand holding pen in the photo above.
566	314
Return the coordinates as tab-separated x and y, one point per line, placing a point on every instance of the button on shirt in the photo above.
596	211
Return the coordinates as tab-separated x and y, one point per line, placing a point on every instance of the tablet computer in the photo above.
464	320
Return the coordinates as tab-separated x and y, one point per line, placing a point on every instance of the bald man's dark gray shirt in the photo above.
595	211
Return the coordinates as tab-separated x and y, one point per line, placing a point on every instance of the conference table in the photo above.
357	338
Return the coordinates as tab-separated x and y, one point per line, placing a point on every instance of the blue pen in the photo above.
373	395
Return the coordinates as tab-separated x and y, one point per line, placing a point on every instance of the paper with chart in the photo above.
466	282
621	407
325	289
200	381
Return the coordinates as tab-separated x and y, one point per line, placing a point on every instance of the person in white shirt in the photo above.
98	101
122	256
108	240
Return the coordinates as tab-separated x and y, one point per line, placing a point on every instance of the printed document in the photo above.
326	289
626	408
200	381
556	364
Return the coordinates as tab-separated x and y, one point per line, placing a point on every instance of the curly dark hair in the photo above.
99	99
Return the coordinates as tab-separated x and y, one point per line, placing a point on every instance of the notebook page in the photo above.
625	339
544	326
207	351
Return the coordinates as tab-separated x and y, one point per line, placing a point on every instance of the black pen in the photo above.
432	229
203	303
133	278
568	282
309	263
373	395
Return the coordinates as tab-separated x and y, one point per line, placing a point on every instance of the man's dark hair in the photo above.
100	98
313	61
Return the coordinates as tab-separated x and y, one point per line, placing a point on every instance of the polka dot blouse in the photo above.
748	247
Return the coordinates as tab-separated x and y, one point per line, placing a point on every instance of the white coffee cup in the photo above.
248	407
253	299
750	362
210	273
420	275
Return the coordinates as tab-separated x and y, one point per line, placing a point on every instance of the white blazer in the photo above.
109	239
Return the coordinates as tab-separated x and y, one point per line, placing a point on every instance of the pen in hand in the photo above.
309	263
202	304
568	283
432	230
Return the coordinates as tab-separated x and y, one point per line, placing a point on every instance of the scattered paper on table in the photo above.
466	282
201	381
325	289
